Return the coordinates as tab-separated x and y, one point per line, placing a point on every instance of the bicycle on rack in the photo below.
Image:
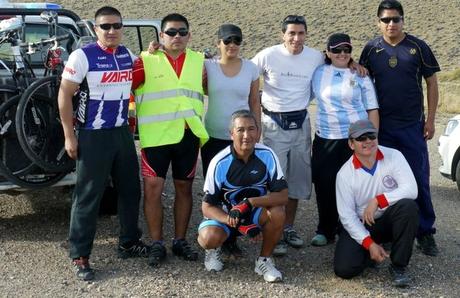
39	125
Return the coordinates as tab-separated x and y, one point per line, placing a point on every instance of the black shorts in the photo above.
210	149
182	156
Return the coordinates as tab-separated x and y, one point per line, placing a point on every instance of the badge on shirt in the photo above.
389	182
393	61
413	51
352	83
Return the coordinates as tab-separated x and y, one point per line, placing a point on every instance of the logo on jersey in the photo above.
70	70
389	182
117	76
413	51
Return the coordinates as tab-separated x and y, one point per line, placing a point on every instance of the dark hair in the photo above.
242	114
173	17
390	4
293	19
107	11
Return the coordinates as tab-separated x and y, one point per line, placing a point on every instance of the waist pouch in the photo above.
287	120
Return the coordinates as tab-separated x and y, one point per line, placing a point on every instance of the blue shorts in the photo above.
255	217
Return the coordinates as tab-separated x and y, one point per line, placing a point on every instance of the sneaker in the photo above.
157	254
82	268
231	249
266	267
213	260
136	249
399	275
280	249
319	240
291	238
182	248
427	245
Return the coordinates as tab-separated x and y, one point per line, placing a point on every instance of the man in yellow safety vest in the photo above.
169	102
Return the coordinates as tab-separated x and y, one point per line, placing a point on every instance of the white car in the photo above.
449	148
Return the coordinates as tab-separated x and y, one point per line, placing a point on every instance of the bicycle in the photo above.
16	165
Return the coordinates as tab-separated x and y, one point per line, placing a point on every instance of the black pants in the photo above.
328	156
103	153
210	149
398	225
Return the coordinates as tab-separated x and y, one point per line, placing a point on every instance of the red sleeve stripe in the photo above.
382	201
367	242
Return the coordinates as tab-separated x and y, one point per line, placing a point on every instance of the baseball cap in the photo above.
360	127
228	30
338	39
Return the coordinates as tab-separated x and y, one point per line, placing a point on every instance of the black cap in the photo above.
338	39
228	30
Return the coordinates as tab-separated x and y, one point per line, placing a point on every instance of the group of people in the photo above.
367	193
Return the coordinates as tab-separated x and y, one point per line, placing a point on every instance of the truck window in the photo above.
137	38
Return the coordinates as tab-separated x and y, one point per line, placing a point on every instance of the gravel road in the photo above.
34	261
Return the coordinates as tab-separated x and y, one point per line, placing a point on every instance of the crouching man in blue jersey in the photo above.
245	194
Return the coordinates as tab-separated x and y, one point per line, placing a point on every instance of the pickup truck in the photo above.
137	35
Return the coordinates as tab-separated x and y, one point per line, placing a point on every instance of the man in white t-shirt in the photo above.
287	71
375	191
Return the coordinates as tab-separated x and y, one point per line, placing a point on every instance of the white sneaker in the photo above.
266	267
213	260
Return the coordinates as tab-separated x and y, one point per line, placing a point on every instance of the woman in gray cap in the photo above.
343	97
233	84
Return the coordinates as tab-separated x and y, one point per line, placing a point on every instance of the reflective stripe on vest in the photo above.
166	117
169	93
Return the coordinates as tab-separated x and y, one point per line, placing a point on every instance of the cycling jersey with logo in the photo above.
105	79
229	179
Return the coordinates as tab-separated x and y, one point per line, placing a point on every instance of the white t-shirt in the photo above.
287	77
226	95
392	178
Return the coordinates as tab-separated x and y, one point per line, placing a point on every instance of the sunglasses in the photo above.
173	32
107	26
338	50
236	40
364	137
294	19
389	19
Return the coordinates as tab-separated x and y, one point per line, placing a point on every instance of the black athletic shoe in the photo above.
82	269
427	245
157	254
230	248
133	250
182	248
400	277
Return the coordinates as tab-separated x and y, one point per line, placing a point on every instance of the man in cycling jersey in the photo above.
102	144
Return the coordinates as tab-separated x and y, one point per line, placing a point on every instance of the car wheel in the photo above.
457	175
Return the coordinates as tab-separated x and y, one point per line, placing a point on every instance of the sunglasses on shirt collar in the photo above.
371	136
107	26
173	32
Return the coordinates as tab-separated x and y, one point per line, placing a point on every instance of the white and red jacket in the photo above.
390	181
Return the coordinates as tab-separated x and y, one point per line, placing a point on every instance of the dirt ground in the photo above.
34	261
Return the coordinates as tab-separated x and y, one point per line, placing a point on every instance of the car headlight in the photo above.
451	126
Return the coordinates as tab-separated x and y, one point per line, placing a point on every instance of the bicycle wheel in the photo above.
14	163
39	128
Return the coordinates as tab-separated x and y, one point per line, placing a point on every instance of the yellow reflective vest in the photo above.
165	103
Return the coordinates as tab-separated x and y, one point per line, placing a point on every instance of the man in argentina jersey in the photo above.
102	143
245	193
